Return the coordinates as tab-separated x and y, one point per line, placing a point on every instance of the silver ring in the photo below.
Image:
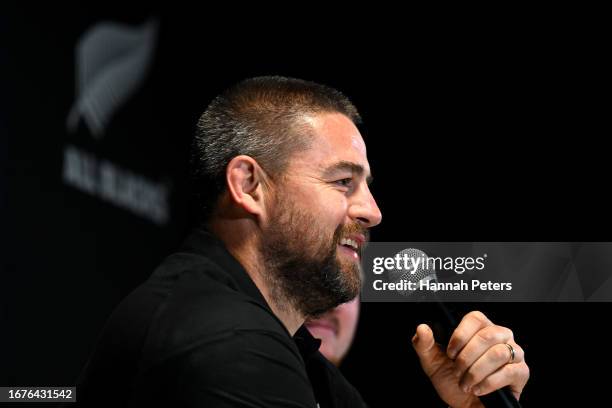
512	354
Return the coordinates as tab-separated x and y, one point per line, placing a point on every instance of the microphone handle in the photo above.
501	398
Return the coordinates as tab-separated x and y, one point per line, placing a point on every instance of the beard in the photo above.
301	265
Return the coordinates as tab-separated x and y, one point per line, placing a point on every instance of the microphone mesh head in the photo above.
419	269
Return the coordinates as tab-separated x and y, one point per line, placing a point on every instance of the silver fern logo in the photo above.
111	64
112	61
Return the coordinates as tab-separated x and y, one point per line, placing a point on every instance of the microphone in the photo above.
421	272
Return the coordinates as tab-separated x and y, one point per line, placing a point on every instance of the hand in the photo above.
476	362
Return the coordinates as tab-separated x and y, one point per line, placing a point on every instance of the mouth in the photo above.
352	246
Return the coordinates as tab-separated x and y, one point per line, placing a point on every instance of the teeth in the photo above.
350	242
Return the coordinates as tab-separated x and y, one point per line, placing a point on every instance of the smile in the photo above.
349	242
349	251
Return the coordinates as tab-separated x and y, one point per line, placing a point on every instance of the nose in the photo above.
364	209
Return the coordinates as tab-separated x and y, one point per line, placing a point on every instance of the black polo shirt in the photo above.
198	333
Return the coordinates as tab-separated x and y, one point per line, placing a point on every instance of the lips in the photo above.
358	238
353	244
349	251
354	240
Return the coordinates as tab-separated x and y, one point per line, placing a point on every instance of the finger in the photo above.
428	351
478	345
495	358
514	375
467	328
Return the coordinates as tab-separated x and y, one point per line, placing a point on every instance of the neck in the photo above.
240	239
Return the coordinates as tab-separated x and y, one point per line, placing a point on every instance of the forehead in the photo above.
335	139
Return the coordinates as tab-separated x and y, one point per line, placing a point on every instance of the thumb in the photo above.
428	351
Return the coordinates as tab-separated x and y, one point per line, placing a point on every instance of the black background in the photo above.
473	134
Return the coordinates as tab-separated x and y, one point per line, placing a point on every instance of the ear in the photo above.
245	184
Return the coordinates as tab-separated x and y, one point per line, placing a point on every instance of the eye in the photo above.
345	182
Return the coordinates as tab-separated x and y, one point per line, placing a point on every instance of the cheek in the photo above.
336	210
328	342
348	316
329	349
330	209
345	338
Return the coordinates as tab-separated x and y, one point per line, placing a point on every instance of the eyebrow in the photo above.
347	166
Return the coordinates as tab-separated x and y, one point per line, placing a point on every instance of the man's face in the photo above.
336	330
319	218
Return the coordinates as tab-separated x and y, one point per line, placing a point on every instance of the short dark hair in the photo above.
259	117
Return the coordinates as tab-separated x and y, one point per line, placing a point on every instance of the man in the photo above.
286	208
336	330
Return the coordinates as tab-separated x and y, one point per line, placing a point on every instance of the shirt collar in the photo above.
306	343
203	242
